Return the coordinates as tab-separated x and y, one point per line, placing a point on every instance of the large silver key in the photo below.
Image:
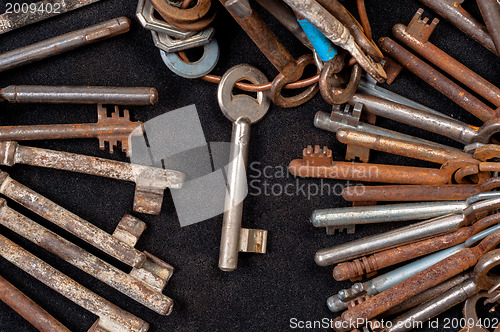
349	217
243	111
404	235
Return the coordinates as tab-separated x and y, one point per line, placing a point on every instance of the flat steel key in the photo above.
37	12
243	111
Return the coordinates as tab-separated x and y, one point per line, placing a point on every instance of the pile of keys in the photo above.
452	247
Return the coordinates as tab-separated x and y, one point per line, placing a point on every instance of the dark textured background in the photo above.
266	290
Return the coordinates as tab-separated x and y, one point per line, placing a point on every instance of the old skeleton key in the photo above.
151	181
112	129
243	111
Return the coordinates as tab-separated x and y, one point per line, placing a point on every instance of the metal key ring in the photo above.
196	69
333	94
470	312
291	75
172	13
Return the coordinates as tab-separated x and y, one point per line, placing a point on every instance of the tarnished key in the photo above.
452	11
414	193
370	264
385	281
243	111
437	273
112	130
490	10
481	279
80	95
405	235
37	12
29	310
150	181
349	217
416	36
63	43
434	78
120	245
135	288
318	163
111	318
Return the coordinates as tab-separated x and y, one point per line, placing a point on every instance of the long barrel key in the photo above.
243	111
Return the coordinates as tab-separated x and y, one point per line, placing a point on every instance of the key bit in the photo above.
317	156
150	181
419	28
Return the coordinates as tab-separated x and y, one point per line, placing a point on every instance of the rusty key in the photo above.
436	274
413	193
460	96
416	36
383	259
120	245
29	310
490	10
111	318
134	288
290	69
150	181
452	11
318	163
112	129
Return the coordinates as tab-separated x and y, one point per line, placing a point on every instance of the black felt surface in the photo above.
267	290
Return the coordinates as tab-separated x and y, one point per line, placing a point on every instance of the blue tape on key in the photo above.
325	48
196	69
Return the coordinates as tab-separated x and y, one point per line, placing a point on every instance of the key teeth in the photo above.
317	156
419	28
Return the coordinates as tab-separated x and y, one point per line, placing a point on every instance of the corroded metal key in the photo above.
318	163
29	310
481	279
243	111
111	318
437	273
150	181
416	36
112	129
137	289
414	193
452	11
370	264
392	278
120	245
